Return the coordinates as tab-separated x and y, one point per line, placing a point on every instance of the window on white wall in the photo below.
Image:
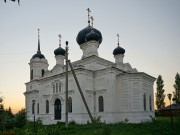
47	106
33	106
101	104
38	108
42	72
53	88
31	74
144	101
70	104
57	87
150	103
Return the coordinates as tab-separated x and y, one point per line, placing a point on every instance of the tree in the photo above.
20	118
14	1
160	93
6	117
1	111
1	105
176	93
11	115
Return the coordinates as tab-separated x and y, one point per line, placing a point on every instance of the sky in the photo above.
149	32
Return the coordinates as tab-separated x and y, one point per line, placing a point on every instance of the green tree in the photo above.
1	105
160	93
13	1
176	93
20	118
10	114
6	117
1	112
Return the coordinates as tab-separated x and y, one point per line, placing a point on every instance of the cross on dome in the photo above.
89	33
92	19
118	49
59	50
60	39
38	54
39	51
38	32
88	16
118	38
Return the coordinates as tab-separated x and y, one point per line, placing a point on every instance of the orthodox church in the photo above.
113	91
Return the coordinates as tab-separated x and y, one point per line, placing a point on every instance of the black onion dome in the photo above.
38	55
92	36
118	50
59	51
81	37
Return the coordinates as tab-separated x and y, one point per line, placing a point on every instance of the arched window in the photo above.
47	106
33	106
57	87
31	74
101	104
42	72
150	103
53	88
38	108
70	104
144	101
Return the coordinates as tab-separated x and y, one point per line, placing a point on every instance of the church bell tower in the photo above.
38	63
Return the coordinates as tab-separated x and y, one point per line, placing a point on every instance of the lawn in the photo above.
160	126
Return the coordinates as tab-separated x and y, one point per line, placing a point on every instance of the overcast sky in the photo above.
149	32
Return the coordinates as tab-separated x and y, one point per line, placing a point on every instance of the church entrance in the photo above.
57	109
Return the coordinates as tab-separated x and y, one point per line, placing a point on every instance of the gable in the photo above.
93	63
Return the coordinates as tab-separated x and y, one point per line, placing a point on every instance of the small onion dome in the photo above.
118	50
38	55
81	37
92	36
59	51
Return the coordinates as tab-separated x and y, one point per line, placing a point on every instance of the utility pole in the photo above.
66	110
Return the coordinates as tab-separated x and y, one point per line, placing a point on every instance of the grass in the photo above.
160	126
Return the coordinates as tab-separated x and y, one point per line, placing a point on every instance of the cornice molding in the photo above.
31	92
108	70
93	58
139	74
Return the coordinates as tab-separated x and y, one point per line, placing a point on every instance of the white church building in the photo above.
113	90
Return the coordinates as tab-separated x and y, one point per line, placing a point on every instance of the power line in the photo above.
47	50
15	53
9	62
